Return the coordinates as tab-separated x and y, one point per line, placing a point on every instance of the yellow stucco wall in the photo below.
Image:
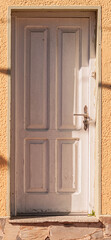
106	92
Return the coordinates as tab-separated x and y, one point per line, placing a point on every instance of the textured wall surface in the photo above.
106	92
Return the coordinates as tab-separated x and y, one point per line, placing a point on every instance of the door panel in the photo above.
66	165
51	146
68	66
36	165
35	63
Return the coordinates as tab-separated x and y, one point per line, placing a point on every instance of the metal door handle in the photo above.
86	117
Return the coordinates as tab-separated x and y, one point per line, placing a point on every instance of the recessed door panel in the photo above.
67	160
35	77
69	51
36	165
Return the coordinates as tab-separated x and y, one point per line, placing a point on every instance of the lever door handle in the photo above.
86	117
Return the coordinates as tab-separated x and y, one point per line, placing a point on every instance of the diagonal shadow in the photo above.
105	85
6	71
3	161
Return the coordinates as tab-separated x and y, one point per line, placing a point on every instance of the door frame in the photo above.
11	108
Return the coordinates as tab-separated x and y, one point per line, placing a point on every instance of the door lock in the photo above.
86	117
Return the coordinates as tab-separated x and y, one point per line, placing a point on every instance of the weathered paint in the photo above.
106	92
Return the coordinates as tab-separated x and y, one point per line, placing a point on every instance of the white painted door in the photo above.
51	145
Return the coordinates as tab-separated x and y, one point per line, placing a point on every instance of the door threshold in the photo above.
53	219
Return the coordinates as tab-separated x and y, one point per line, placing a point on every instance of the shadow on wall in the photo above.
6	71
3	161
105	85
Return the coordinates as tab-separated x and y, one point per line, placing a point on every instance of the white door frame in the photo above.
11	108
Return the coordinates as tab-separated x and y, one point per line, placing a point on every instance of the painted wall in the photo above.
106	92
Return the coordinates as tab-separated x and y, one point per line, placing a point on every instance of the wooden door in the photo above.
51	85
